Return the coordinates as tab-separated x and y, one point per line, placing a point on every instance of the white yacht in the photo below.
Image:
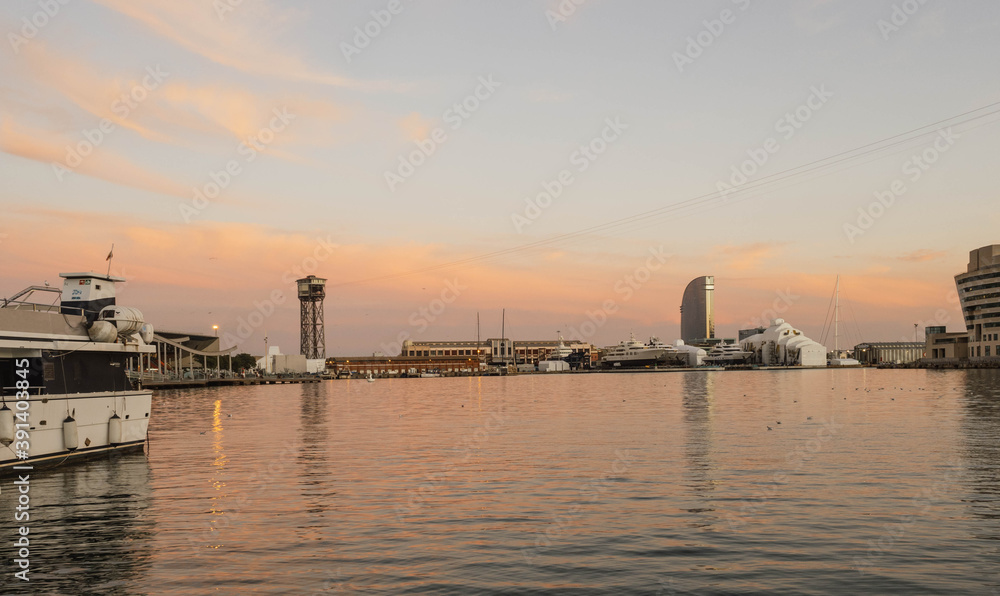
633	353
724	354
64	384
560	353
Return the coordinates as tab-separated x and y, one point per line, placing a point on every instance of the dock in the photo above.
227	382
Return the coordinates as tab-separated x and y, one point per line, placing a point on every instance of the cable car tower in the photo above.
312	291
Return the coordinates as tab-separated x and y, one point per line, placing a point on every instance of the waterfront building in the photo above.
693	355
783	345
175	357
698	312
399	366
979	295
502	350
942	346
889	352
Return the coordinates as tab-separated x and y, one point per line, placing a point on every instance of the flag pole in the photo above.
111	255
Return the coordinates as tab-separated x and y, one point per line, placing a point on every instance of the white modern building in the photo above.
695	355
780	344
979	293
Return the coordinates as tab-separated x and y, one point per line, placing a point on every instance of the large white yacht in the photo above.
64	385
633	353
724	354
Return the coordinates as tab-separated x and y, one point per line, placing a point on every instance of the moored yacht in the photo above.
64	382
633	353
725	354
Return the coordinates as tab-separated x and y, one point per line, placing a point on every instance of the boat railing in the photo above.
36	307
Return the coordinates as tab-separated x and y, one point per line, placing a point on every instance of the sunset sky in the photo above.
227	147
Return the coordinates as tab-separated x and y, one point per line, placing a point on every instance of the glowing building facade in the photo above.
698	311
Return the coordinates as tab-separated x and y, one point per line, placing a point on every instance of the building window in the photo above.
987	351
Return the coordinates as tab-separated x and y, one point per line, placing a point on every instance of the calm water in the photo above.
873	482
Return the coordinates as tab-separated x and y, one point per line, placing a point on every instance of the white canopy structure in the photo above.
783	345
695	356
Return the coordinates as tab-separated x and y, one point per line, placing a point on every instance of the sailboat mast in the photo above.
503	334
836	321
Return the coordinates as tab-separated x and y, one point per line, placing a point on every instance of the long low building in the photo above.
386	366
889	352
501	351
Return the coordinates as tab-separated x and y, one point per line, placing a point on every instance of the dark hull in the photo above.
644	362
51	461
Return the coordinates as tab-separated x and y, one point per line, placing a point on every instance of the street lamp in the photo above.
216	328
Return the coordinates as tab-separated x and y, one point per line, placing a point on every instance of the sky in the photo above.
573	163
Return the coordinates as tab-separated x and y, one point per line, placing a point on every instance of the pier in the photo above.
226	382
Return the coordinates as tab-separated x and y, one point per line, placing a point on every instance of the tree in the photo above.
244	360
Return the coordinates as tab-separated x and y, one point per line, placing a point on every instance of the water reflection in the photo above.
981	426
307	484
313	458
90	531
697	408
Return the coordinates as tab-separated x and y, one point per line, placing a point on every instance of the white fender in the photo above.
71	438
115	430
6	426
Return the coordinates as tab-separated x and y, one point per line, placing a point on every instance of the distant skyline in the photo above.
439	160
